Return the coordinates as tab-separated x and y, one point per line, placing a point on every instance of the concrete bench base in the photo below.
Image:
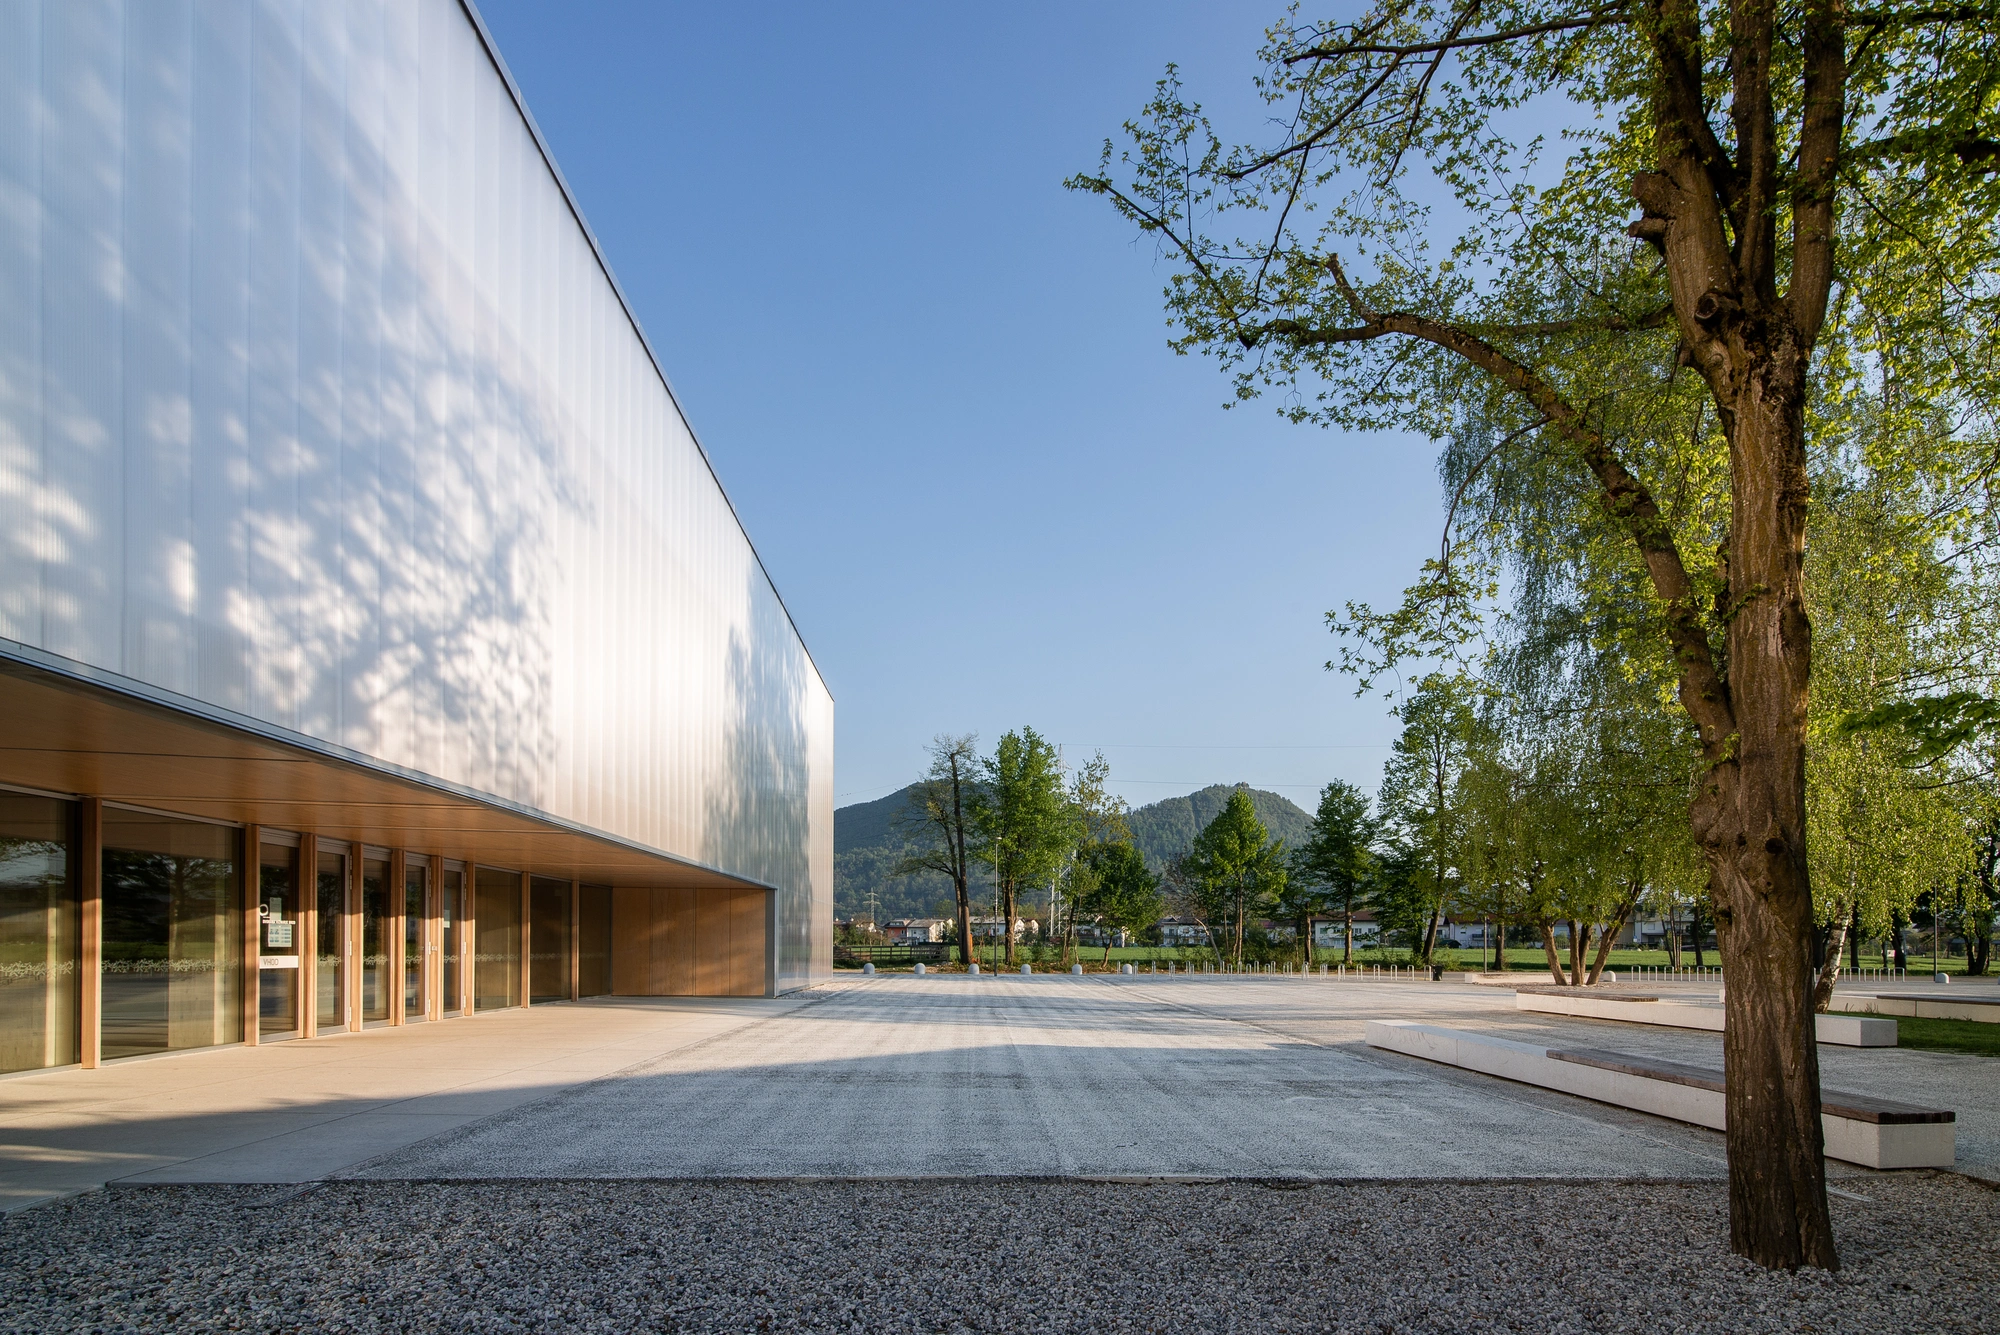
1984	1010
1874	1133
1851	1031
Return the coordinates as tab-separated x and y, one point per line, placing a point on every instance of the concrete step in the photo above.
1860	1129
1918	1006
1851	1031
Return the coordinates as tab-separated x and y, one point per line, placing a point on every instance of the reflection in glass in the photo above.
593	944
415	876
38	934
497	958
376	974
332	931
451	900
170	949
548	939
277	940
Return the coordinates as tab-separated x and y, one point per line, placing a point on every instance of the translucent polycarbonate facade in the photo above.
317	406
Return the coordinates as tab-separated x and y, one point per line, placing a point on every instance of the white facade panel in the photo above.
317	406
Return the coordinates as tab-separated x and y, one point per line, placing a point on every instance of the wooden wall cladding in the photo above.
687	943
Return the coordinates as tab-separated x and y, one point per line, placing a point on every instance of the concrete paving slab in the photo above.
298	1110
1044	1076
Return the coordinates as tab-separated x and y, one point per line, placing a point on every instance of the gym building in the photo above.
377	645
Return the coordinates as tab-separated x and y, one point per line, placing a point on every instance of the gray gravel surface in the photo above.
1006	1255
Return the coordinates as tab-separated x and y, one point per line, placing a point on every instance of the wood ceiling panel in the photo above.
72	737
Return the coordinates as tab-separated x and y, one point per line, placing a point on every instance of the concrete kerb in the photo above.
1980	1010
1849	1031
1871	1144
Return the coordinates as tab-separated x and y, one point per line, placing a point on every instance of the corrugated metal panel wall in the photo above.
315	405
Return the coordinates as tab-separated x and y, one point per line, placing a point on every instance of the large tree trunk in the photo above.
964	924
1829	969
1347	938
1749	813
1608	936
1554	955
1007	922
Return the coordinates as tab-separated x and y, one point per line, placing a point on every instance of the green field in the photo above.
1971	1036
1520	959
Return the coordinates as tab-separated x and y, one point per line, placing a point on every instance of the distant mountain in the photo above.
866	847
1164	830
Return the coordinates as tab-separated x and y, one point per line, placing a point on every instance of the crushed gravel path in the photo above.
1921	1253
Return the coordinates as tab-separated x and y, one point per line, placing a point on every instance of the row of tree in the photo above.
1033	825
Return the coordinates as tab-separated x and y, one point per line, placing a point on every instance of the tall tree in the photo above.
1422	796
938	824
1026	827
1097	821
1767	149
1237	863
1337	858
1124	894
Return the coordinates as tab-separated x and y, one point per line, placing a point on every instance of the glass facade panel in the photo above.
332	931
496	973
171	970
377	910
416	910
593	946
548	940
451	939
277	941
38	934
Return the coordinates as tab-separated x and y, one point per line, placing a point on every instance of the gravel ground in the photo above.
1008	1255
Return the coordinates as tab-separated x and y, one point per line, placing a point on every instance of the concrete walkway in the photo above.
903	1077
301	1110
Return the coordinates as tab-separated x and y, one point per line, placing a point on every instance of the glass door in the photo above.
376	909
332	905
277	942
416	881
548	939
451	939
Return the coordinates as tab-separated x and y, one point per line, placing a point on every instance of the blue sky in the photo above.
938	390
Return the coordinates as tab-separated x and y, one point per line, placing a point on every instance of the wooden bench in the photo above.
1850	1031
1860	1129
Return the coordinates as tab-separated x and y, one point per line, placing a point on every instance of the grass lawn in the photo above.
1949	1036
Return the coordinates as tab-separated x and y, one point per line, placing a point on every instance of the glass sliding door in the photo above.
332	905
171	970
39	913
496	973
451	940
376	910
593	944
416	912
278	941
548	939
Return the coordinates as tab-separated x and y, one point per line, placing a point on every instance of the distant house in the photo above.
1097	934
1181	932
1328	932
992	929
913	931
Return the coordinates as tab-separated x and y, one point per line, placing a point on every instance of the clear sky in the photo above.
937	387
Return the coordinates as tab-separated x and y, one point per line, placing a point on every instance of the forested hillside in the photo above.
866	847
